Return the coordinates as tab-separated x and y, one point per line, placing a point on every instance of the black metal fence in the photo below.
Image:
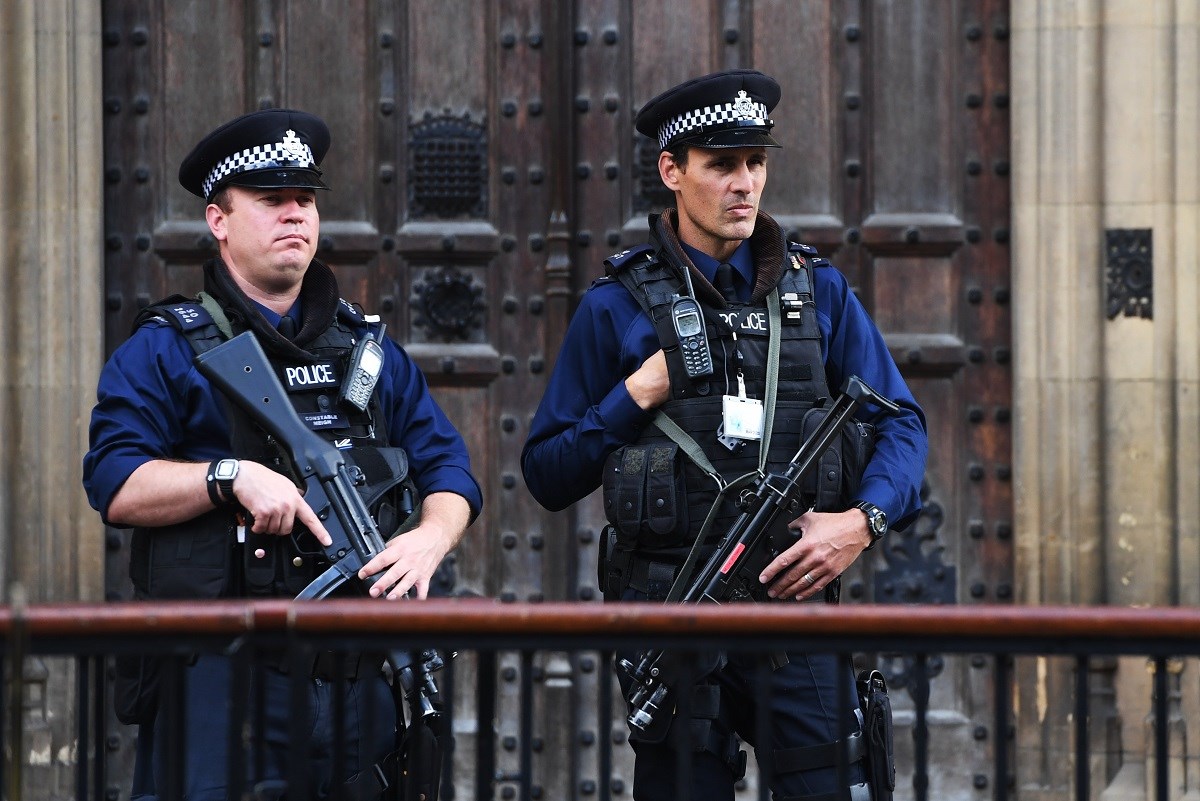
90	636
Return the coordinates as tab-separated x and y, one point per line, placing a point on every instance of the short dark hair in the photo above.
223	198
679	154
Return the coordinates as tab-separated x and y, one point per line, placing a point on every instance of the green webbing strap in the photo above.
218	314
689	446
774	322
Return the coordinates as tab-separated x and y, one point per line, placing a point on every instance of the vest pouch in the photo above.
259	572
644	495
841	466
189	560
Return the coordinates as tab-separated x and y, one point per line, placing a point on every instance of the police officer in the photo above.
630	365
172	460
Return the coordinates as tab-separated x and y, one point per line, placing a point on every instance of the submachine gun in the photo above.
240	369
731	573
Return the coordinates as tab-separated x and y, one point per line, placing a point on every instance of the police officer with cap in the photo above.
214	510
640	386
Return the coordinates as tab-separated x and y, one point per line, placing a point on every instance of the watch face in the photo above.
879	522
226	469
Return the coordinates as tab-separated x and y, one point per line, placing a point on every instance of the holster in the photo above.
877	731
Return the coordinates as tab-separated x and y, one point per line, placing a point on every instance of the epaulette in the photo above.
619	261
810	254
353	314
184	314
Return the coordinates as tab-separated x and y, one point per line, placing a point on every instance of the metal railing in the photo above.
91	634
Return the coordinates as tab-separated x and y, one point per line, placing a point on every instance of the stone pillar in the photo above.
52	253
1107	455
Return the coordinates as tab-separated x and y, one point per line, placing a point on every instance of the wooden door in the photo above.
483	165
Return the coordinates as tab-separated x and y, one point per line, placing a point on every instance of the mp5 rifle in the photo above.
240	369
731	573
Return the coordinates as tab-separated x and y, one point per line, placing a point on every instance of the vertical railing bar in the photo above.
1161	745
604	724
919	690
239	682
1000	692
485	726
300	664
685	697
81	727
174	739
1083	772
447	693
845	672
99	726
762	726
365	742
526	766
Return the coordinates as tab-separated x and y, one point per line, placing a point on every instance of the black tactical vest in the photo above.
201	558
655	496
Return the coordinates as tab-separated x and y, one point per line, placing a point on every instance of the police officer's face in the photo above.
268	236
717	193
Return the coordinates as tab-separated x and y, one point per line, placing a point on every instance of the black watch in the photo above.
224	473
877	524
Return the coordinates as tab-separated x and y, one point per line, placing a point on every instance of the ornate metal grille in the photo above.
447	169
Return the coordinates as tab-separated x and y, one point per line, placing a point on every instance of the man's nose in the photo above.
742	180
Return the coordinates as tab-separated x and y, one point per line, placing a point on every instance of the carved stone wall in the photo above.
1105	187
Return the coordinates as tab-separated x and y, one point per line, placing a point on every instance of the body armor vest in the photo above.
200	558
655	497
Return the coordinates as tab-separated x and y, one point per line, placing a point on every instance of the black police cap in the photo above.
723	109
268	149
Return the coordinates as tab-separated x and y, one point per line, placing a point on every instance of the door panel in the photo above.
483	165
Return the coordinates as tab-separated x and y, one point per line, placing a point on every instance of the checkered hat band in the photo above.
257	158
702	119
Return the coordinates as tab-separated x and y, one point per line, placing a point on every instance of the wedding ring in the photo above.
808	580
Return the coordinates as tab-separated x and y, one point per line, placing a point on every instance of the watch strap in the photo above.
210	483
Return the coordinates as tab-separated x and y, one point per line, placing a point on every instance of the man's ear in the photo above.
216	221
668	170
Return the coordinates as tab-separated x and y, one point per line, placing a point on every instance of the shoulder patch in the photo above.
619	261
349	311
797	247
186	316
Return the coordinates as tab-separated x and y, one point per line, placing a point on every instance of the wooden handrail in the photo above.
472	618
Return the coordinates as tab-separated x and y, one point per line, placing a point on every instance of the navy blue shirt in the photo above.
586	412
152	403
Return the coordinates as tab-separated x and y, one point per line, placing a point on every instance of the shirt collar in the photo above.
742	261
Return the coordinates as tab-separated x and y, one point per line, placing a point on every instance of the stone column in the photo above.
52	251
1105	135
51	255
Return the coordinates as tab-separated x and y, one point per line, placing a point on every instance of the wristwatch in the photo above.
877	524
224	473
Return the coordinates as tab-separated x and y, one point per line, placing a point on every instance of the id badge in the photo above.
743	417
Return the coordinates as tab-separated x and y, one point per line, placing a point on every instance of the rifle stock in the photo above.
240	369
731	573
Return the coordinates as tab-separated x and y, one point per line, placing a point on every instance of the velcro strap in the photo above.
652	578
826	755
631	489
660	489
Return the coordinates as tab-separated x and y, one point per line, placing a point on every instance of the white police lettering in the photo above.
753	321
310	375
186	315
